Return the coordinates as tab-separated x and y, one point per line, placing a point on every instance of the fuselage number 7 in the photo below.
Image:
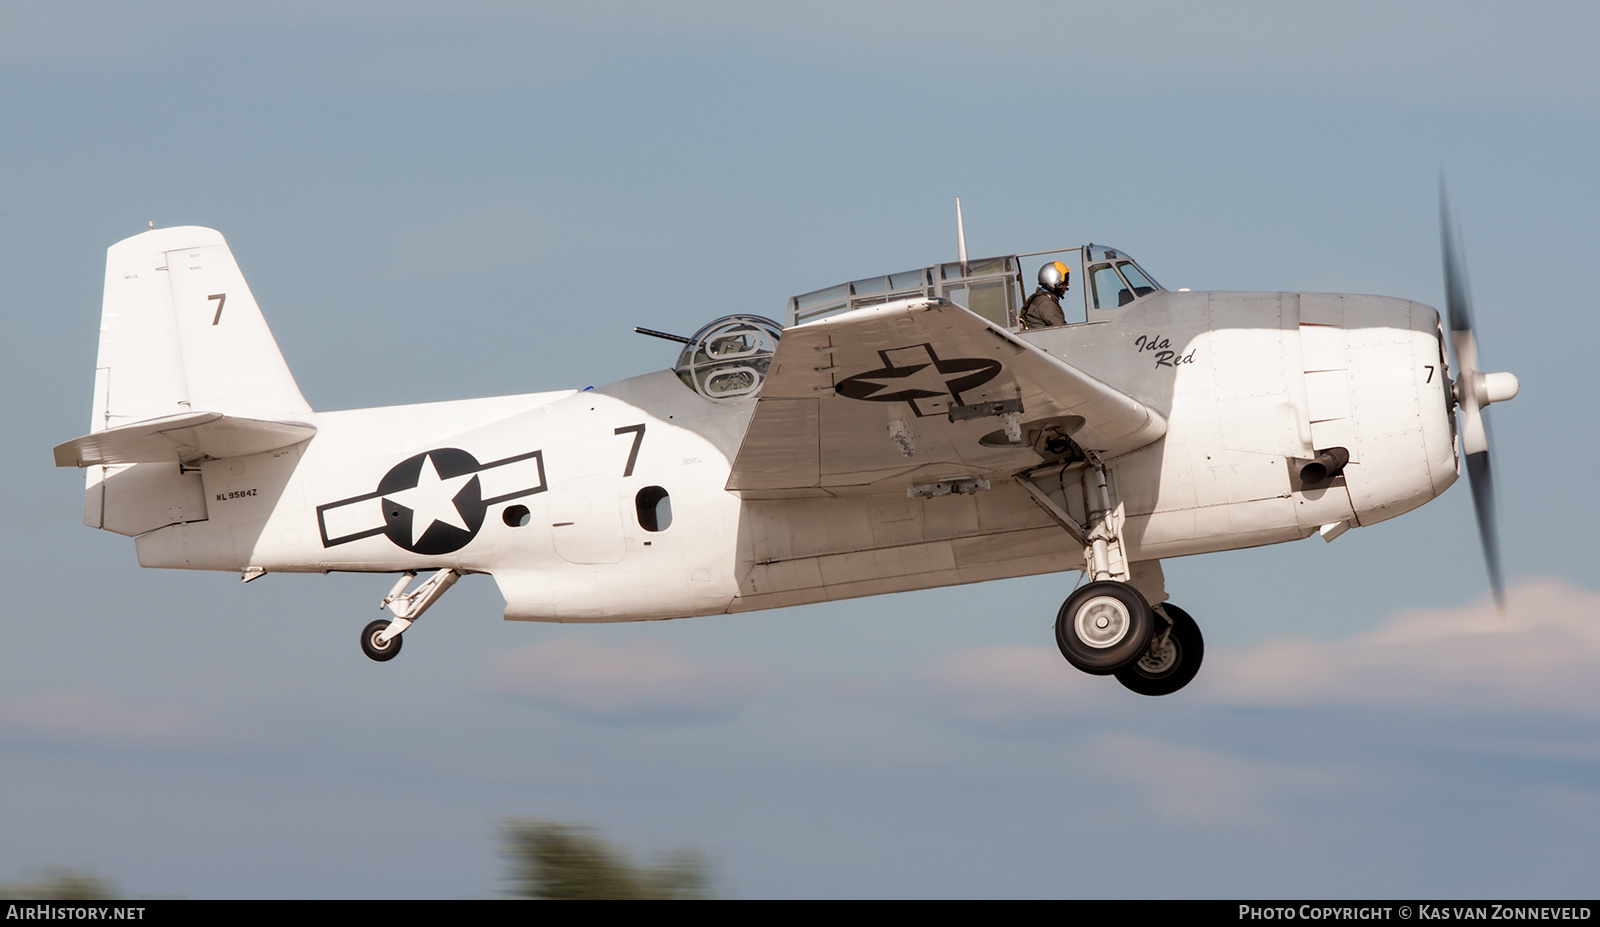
633	452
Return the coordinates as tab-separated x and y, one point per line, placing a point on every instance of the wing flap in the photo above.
917	390
186	438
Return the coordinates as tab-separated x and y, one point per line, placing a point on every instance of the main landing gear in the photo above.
1109	627
380	640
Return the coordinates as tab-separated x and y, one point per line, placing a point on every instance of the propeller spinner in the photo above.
1474	390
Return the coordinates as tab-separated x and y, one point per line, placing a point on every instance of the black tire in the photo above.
373	648
1166	672
1103	627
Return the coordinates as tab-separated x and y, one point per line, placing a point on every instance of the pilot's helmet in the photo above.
1053	277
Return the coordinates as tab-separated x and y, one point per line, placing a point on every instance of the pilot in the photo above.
1044	306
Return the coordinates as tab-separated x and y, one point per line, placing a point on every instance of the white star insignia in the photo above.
928	379
432	500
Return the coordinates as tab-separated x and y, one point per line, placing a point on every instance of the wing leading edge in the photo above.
917	390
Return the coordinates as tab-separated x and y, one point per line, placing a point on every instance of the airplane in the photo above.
897	432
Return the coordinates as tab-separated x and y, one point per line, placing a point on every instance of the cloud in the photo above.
1544	656
79	717
1205	785
1015	687
1274	734
1032	691
634	681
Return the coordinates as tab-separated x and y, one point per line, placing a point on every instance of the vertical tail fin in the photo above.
180	332
187	369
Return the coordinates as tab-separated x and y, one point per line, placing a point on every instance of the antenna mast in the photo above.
961	239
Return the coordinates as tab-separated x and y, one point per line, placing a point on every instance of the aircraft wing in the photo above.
915	391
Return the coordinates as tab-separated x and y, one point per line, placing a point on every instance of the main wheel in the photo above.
1170	661
376	649
1103	627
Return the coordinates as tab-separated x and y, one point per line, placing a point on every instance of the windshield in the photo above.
1116	285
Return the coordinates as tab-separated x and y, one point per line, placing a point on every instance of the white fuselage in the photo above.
1252	386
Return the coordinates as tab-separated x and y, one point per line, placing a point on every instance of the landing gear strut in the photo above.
380	640
1106	625
1109	627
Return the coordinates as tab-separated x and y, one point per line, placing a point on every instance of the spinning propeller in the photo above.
1473	391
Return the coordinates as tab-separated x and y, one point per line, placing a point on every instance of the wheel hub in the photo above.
1102	622
1160	658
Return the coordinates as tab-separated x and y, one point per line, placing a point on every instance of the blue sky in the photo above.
443	201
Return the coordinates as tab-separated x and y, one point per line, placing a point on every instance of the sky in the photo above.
437	201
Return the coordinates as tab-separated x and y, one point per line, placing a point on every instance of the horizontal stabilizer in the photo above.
184	438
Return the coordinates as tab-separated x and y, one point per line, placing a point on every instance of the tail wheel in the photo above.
1103	627
1170	661
378	649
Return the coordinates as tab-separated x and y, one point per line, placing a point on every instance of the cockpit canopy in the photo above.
728	358
1114	279
995	288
